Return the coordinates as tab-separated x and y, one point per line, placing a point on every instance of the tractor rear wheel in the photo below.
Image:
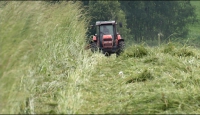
94	47
121	47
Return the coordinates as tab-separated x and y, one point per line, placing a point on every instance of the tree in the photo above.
108	10
148	18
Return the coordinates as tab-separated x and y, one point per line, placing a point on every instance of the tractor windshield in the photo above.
106	29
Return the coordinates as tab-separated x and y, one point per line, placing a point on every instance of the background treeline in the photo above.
144	20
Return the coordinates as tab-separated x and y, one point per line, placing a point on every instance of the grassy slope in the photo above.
42	58
44	69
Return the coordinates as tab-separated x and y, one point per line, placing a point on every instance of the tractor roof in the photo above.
105	22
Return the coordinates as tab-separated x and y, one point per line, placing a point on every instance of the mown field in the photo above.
45	69
162	79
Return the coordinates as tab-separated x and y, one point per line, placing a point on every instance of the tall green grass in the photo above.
43	63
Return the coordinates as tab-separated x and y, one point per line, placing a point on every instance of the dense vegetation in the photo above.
143	80
143	20
45	69
42	57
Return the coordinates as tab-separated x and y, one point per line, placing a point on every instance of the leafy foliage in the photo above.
145	19
107	10
148	18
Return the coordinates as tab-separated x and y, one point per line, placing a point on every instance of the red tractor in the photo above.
107	39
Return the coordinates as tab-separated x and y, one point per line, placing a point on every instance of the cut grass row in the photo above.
165	79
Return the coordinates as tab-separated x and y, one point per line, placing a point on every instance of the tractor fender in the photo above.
94	38
119	37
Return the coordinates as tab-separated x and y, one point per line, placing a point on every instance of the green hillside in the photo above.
44	67
42	57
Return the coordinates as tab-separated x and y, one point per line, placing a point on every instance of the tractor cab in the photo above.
105	33
106	38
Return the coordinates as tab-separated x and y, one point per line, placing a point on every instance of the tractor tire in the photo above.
121	47
93	47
